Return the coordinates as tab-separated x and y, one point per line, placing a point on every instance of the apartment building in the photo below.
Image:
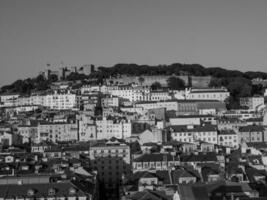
156	161
109	127
252	133
228	138
219	94
112	161
252	102
60	101
57	132
87	128
191	133
168	104
28	133
65	190
110	102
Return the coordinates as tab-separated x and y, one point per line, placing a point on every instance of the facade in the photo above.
228	138
252	133
87	128
113	127
110	102
154	135
7	97
57	132
9	139
168	104
60	101
157	161
219	94
191	133
252	102
112	162
230	123
28	133
65	190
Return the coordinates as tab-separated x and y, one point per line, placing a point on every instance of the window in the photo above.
51	191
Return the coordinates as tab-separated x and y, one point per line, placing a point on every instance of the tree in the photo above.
156	86
141	80
53	78
175	83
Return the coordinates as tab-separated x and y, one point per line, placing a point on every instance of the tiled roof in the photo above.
196	128
39	190
149	195
251	128
201	157
227	132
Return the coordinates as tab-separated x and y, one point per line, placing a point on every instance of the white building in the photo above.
228	138
87	128
132	93
159	95
110	102
7	97
55	132
219	94
252	102
191	133
60	101
56	100
113	127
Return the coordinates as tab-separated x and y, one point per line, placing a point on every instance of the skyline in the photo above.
213	33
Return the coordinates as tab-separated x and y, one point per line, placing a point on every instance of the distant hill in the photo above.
238	83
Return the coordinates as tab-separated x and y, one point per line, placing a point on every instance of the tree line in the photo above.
238	83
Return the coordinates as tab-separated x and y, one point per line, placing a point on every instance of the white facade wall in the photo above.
108	128
57	132
207	94
229	140
207	136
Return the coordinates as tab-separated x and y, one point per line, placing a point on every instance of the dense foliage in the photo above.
175	83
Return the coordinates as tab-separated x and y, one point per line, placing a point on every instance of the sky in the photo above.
214	33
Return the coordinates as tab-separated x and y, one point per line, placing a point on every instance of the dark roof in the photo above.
200	157
149	195
251	128
196	128
39	190
193	192
156	157
227	132
257	145
252	172
140	127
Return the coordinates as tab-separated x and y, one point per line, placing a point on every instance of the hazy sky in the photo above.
225	33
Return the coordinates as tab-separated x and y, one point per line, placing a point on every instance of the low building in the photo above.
65	190
252	102
191	133
252	133
28	133
156	161
9	139
228	138
219	94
